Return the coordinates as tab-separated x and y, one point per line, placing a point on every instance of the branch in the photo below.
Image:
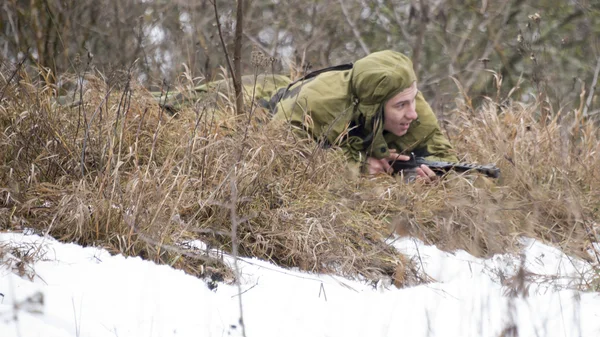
214	2
354	29
592	88
259	45
19	65
418	46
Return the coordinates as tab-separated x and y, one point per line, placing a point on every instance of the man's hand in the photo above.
377	166
425	174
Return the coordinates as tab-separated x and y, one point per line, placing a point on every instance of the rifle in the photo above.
440	167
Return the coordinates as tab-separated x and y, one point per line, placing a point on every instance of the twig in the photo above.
416	56
80	79
259	45
245	291
419	255
227	58
595	112
322	290
235	221
355	30
592	88
12	76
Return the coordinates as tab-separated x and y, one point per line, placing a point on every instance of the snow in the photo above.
76	291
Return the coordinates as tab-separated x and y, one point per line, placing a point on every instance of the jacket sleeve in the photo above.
356	158
438	148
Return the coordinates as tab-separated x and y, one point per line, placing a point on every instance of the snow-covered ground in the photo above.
75	291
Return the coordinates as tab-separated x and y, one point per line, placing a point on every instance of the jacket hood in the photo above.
380	76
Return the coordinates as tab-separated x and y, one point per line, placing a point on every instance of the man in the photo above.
372	110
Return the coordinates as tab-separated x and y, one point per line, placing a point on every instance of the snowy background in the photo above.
76	291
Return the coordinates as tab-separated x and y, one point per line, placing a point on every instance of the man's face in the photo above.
400	111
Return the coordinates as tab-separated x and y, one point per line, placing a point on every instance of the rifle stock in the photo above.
440	168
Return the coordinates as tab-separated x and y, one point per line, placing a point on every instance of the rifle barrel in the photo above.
441	168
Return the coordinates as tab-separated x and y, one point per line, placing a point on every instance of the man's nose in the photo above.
412	112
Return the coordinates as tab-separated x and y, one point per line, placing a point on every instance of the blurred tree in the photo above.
548	49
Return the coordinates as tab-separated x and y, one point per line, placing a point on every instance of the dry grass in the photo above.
118	172
20	257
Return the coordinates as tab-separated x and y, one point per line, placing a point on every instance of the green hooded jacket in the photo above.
345	108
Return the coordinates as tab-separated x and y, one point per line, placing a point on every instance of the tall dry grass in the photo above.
120	173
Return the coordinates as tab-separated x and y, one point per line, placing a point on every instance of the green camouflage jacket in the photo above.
345	108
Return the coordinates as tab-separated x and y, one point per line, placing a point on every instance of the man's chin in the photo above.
400	133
